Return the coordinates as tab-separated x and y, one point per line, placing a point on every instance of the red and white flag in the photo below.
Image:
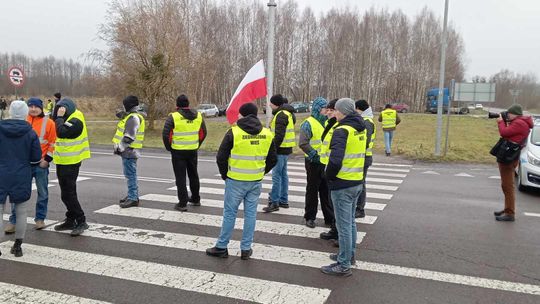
253	86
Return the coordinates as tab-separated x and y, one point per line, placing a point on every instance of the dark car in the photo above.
401	107
300	107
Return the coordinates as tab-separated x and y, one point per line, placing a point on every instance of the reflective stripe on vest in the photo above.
369	148
316	134
69	151
186	132
139	137
389	117
248	155
289	141
352	167
325	148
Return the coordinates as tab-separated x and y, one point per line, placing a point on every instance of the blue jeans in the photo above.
130	172
235	193
280	181
344	206
42	182
388	136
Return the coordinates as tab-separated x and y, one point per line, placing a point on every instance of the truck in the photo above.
431	102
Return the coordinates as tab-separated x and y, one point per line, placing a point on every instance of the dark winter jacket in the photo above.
71	129
337	152
169	127
517	130
282	120
369	131
329	124
252	125
19	149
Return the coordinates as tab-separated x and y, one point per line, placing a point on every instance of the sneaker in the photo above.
123	200
193	202
330	235
66	225
129	203
79	229
284	205
336	270
271	208
180	207
218	252
40	224
333	257
10	229
246	254
359	214
505	218
310	223
498	213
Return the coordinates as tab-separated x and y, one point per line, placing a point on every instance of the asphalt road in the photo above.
430	237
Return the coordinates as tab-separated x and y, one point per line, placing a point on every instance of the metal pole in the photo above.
450	100
440	99
270	68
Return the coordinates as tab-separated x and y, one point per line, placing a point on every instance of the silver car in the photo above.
208	110
528	171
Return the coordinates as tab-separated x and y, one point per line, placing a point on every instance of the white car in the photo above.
208	110
528	170
478	106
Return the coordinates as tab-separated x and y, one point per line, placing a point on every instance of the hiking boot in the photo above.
330	235
10	228
246	254
359	214
337	270
66	225
40	224
16	250
387	153
505	218
271	208
310	223
333	257
123	200
218	252
129	203
180	207
194	202
284	205
79	229
498	213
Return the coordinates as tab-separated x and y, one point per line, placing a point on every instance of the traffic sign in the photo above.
16	76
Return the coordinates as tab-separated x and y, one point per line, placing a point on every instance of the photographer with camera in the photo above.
514	129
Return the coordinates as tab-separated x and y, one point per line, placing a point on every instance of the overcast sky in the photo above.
497	33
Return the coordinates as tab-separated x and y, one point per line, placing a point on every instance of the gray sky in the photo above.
497	33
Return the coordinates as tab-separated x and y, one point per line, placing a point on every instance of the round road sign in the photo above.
16	76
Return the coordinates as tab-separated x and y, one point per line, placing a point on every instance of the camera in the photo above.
503	114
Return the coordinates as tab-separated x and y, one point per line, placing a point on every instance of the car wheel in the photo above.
521	187
404	111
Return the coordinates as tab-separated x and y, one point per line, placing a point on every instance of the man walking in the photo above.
183	133
282	127
310	142
72	147
128	141
245	155
345	178
52	104
363	108
390	120
46	132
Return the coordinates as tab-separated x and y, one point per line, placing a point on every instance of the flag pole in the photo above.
270	68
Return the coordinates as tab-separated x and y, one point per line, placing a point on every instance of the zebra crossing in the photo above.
157	208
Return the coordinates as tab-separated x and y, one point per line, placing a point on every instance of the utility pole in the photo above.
270	68
440	99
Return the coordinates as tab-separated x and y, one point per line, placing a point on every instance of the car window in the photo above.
535	137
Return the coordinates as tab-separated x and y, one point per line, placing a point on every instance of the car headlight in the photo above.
533	160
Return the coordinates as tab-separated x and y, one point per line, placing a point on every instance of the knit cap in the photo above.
248	108
18	110
515	109
345	106
34	101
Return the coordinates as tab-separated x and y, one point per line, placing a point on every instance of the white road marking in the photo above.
374	164
79	179
207	282
29	220
215	221
21	294
532	214
304	181
495	177
370	173
463	175
288	211
121	176
34	187
303	169
431	172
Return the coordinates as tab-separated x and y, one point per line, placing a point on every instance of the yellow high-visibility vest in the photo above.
352	167
70	151
369	149
120	128
325	149
186	132
316	134
289	141
248	155
389	117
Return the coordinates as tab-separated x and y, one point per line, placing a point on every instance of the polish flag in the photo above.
253	86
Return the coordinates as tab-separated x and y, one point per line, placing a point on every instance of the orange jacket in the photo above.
46	140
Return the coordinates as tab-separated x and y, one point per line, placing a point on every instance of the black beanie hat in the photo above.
332	104
58	95
248	109
130	102
388	106
361	105
182	101
278	100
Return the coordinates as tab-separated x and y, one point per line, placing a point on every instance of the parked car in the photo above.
208	110
401	107
528	170
478	106
300	107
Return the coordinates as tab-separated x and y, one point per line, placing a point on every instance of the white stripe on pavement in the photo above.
121	176
532	214
287	211
79	179
29	220
304	181
202	281
21	294
303	169
215	221
370	173
374	164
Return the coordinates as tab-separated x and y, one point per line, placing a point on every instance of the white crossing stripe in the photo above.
303	168
532	214
495	177
79	179
374	164
202	281
21	294
121	176
34	187
215	221
304	181
287	211
370	173
29	220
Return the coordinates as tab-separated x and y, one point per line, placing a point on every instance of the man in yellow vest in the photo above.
128	141
363	108
52	104
183	133
390	120
245	155
71	148
345	180
282	127
310	141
